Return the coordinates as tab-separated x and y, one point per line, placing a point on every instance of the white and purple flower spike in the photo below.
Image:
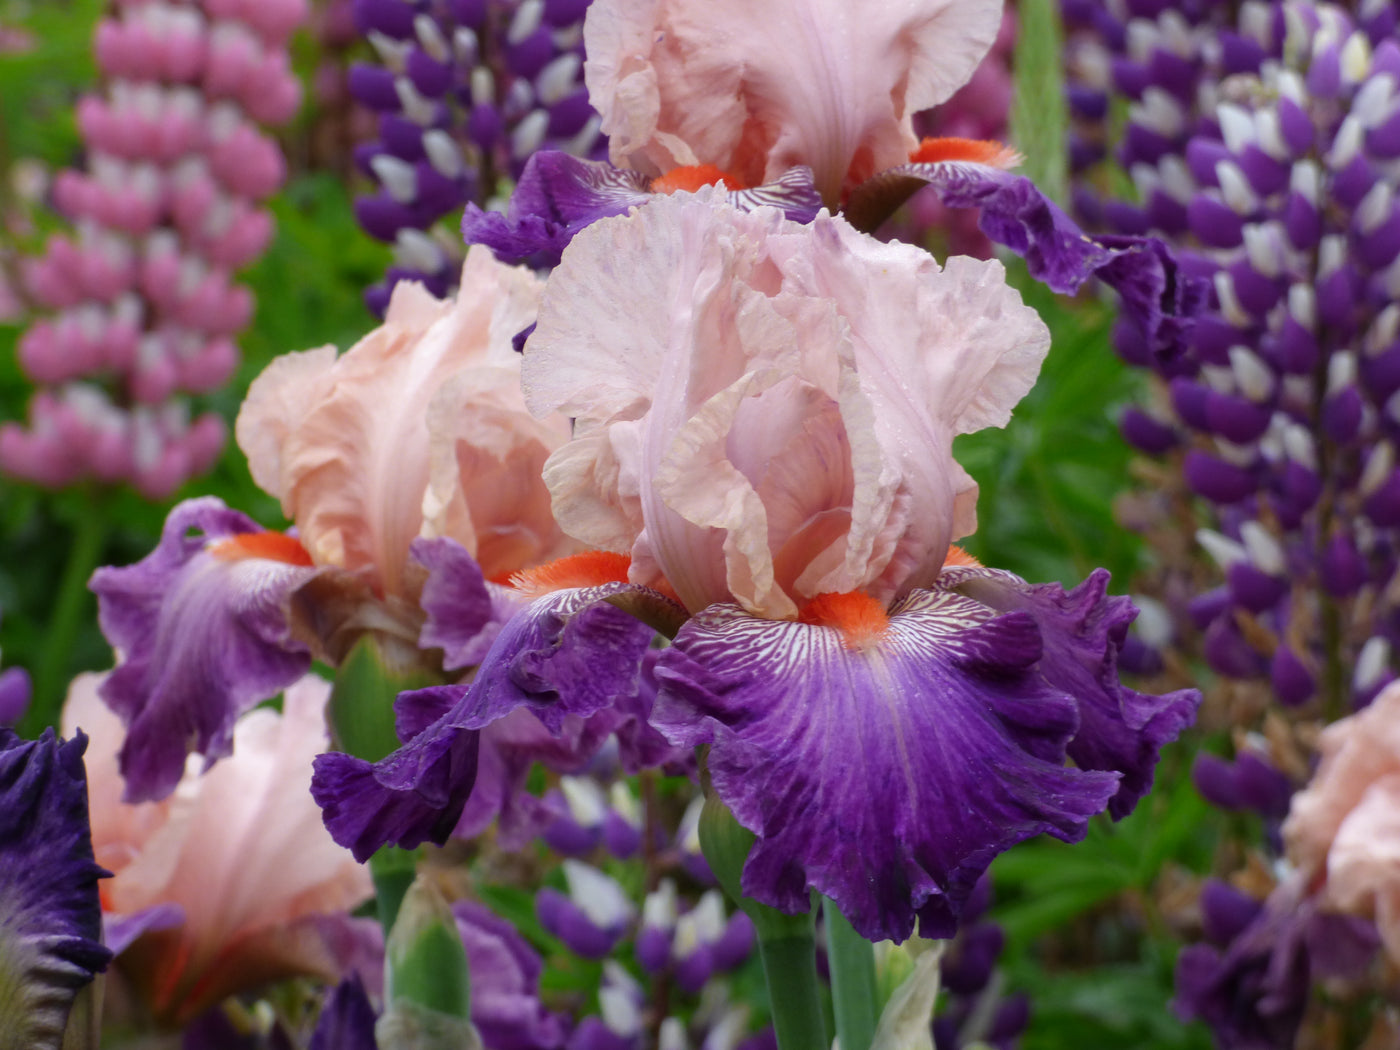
592	917
50	918
202	636
765	414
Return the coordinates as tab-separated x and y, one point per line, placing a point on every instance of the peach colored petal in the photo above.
354	457
759	87
245	855
119	831
486	456
277	401
1363	865
1356	753
714	357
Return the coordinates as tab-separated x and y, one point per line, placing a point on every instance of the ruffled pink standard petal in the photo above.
767	409
758	88
355	465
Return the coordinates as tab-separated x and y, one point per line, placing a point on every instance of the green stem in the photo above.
790	965
852	961
70	609
392	870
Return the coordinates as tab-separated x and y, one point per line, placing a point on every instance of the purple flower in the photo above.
202	635
566	656
50	918
346	1021
505	974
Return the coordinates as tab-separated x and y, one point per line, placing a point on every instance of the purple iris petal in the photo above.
505	973
1083	632
203	638
15	690
346	1021
1156	294
885	777
464	612
558	195
50	918
119	932
567	655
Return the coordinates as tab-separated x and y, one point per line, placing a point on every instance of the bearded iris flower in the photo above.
764	417
794	105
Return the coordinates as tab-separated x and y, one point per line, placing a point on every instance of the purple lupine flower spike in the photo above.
466	92
50	917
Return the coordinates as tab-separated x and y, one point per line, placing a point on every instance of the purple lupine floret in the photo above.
465	94
15	692
50	916
505	976
202	633
347	1019
1252	984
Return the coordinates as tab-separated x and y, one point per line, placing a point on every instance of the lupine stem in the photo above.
790	967
852	961
70	609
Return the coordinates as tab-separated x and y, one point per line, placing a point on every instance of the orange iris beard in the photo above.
691	178
861	619
977	151
589	569
269	546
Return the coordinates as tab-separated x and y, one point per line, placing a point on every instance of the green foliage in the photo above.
1048	479
1039	116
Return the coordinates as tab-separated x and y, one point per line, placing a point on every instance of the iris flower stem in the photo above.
392	870
852	961
70	609
790	966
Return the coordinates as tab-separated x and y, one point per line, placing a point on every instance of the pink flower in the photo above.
1344	827
236	877
417	430
766	410
756	87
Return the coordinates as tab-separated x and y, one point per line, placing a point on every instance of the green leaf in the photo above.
1039	115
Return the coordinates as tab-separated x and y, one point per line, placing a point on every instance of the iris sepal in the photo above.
885	777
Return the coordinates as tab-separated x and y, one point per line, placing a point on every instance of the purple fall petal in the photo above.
464	612
50	917
1156	294
202	637
1083	631
559	195
566	656
885	777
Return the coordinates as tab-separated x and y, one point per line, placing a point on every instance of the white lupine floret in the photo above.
393	53
1230	307
1254	376
1379	466
1299	445
1221	548
466	46
1154	622
443	153
483	87
1375	208
559	79
1341	371
528	17
1263	548
1235	190
529	134
396	175
1331	254
1356	58
416	107
1346	145
431	38
1236	126
585	800
1302	305
1382	331
1371	664
599	896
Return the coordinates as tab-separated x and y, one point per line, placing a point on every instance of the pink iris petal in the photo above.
885	776
765	409
416	430
239	851
1343	825
757	88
